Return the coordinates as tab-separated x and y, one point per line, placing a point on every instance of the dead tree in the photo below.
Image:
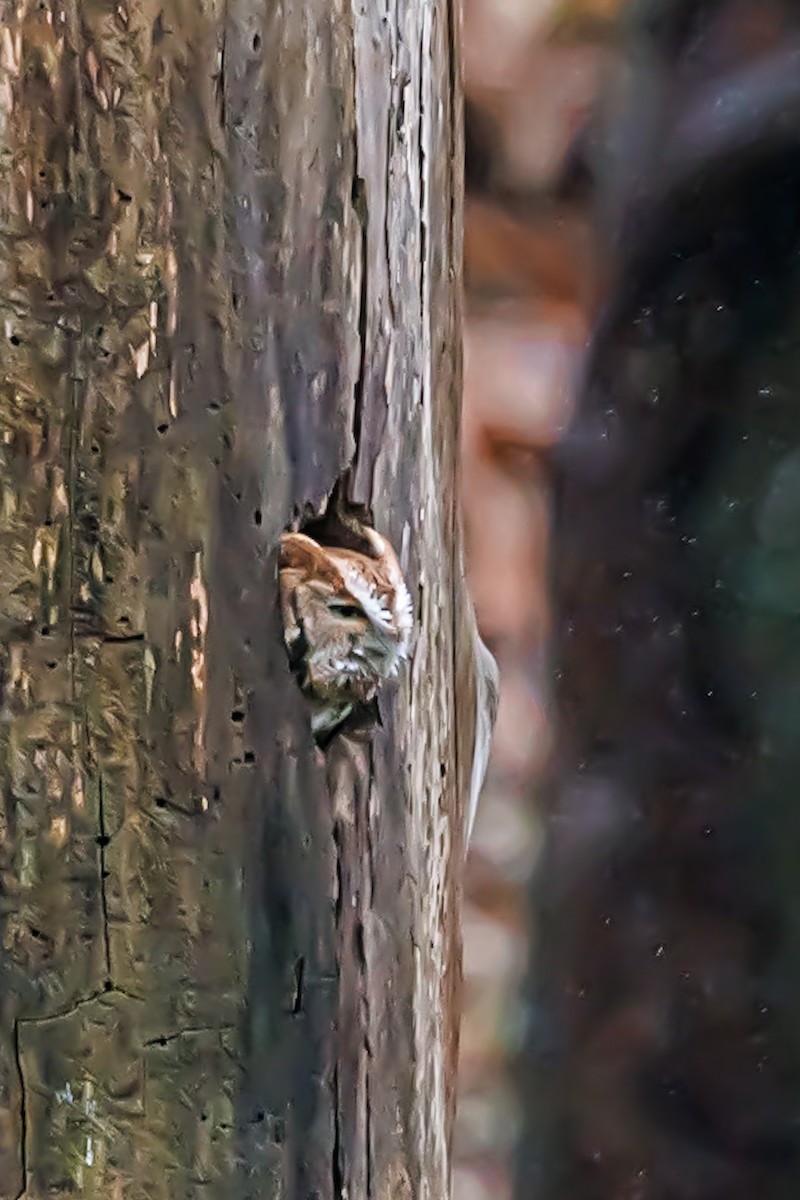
231	254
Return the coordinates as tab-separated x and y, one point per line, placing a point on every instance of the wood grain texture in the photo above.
231	267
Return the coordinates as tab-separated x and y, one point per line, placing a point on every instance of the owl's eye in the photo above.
344	609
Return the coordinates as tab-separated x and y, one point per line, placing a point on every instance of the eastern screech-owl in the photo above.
347	620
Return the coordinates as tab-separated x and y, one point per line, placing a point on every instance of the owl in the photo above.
347	620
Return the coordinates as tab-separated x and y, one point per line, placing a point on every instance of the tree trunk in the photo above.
231	248
664	1053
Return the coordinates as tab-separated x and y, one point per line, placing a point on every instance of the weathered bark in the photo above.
231	242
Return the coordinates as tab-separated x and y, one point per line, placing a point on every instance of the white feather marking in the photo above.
403	615
373	607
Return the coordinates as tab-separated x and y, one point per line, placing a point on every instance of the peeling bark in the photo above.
231	247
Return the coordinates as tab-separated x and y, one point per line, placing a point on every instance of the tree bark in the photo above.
231	254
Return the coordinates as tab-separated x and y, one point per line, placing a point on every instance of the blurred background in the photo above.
534	72
657	1057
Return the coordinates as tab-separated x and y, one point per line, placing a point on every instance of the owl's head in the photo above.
347	620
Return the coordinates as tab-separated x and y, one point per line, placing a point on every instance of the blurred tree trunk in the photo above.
664	1052
231	248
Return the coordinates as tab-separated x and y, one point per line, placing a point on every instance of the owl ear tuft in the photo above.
298	552
383	553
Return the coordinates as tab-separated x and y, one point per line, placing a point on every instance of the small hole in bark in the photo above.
249	756
108	986
102	839
160	802
14	340
257	42
331	530
45	631
163	427
257	516
358	192
237	716
51	666
258	1116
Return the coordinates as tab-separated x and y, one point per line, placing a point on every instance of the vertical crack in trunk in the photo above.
395	121
223	63
368	894
361	209
337	1175
102	843
23	1117
337	1179
360	206
368	1130
72	476
423	222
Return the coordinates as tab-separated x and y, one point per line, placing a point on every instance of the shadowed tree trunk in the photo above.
664	1051
231	247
